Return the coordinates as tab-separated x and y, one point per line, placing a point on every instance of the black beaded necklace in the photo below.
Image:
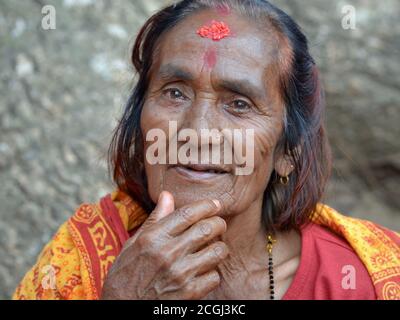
270	243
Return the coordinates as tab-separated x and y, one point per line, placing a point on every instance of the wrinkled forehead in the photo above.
248	48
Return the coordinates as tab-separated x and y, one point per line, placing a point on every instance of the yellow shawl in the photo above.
74	264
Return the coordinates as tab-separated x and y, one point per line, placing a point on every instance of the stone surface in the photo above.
62	91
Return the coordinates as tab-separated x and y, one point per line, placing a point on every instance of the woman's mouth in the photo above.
200	171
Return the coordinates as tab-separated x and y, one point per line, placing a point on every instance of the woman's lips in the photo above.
199	173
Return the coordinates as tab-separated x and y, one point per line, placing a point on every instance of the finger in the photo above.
208	258
165	205
199	234
201	262
202	285
182	218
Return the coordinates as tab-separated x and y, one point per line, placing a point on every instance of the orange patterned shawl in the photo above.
74	264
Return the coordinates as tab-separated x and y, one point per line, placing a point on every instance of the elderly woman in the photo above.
190	229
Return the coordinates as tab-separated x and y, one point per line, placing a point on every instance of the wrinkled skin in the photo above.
219	251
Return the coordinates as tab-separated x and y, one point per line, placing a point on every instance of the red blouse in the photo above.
322	269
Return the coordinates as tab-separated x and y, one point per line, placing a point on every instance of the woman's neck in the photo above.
245	235
247	262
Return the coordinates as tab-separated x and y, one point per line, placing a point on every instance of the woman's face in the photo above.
197	83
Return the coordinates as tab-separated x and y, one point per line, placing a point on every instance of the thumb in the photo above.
165	205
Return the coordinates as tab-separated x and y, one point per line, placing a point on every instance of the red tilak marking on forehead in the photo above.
210	58
215	31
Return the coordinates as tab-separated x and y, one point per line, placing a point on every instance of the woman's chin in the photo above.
189	187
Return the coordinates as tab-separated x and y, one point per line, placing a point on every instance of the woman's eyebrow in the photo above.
171	71
243	87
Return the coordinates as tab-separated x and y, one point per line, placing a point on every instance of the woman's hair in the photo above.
303	141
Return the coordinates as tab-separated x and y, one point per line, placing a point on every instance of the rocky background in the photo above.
62	90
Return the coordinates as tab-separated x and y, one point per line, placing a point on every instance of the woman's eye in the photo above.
240	106
174	94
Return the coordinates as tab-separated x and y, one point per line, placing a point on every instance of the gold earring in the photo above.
284	180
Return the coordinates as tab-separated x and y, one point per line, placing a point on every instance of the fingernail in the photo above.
217	203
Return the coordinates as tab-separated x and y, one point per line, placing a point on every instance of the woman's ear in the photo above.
283	166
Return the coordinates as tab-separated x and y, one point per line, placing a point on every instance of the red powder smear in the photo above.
215	31
210	58
223	9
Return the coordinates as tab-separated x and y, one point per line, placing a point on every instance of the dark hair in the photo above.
303	141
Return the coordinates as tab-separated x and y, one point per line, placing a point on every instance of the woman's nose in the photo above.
202	115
